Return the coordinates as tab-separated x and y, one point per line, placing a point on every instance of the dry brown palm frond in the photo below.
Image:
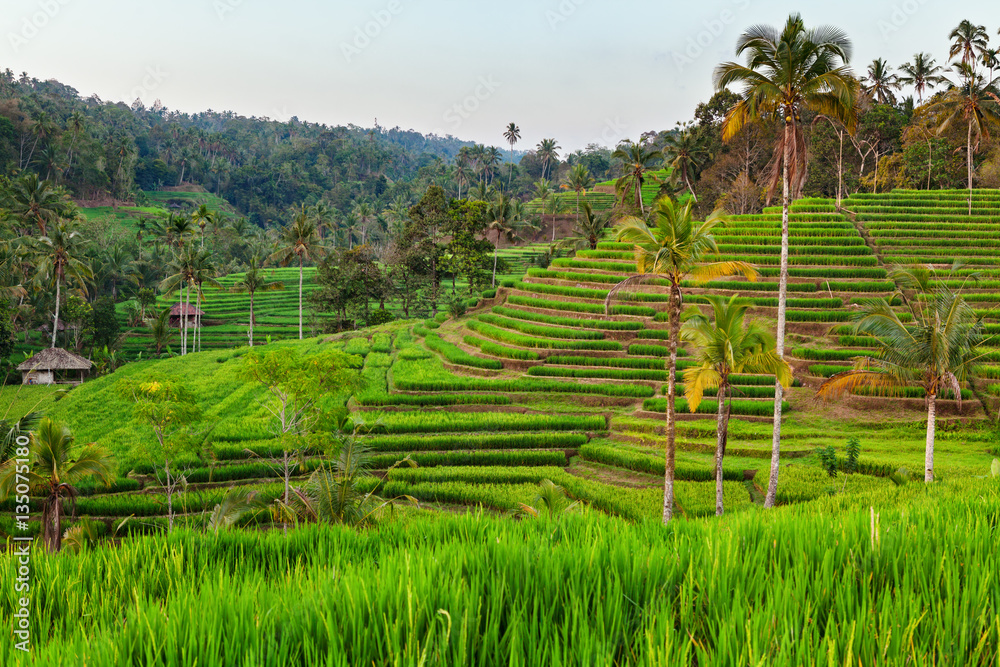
627	287
848	381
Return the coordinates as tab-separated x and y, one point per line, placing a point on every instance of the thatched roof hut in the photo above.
43	366
180	309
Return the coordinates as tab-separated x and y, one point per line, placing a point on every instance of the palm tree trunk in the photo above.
721	431
251	319
772	486
300	297
55	322
931	427
496	251
969	162
187	327
675	334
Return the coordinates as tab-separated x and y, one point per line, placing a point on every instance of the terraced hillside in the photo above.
537	383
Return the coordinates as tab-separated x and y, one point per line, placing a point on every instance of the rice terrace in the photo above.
720	389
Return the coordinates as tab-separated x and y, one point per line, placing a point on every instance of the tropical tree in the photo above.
33	201
254	281
922	73
203	272
725	344
635	158
180	278
299	242
512	134
588	230
548	152
505	219
968	40
202	218
976	103
55	467
935	351
554	206
578	180
990	59
881	83
57	260
683	152
788	71
169	409
674	247
159	329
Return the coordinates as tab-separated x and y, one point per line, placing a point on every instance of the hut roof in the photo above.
55	359
180	308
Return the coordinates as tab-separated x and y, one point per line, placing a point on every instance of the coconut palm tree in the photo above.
57	259
880	83
635	158
505	218
726	344
922	73
673	246
936	351
554	206
10	431
202	272
365	213
548	152
578	180
788	71
512	134
180	278
968	41
990	59
589	229
976	103
299	242
56	465
202	218
683	152
159	329
254	281
32	201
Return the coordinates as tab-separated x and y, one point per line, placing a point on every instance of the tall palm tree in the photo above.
548	153
589	229
202	272
788	71
202	218
505	218
365	213
554	206
635	158
976	103
512	134
675	247
492	157
683	152
880	83
922	73
254	281
57	259
726	345
180	278
578	180
33	201
968	40
299	241
543	190
990	59
936	351
56	465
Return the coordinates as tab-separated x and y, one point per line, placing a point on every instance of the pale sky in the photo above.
581	71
